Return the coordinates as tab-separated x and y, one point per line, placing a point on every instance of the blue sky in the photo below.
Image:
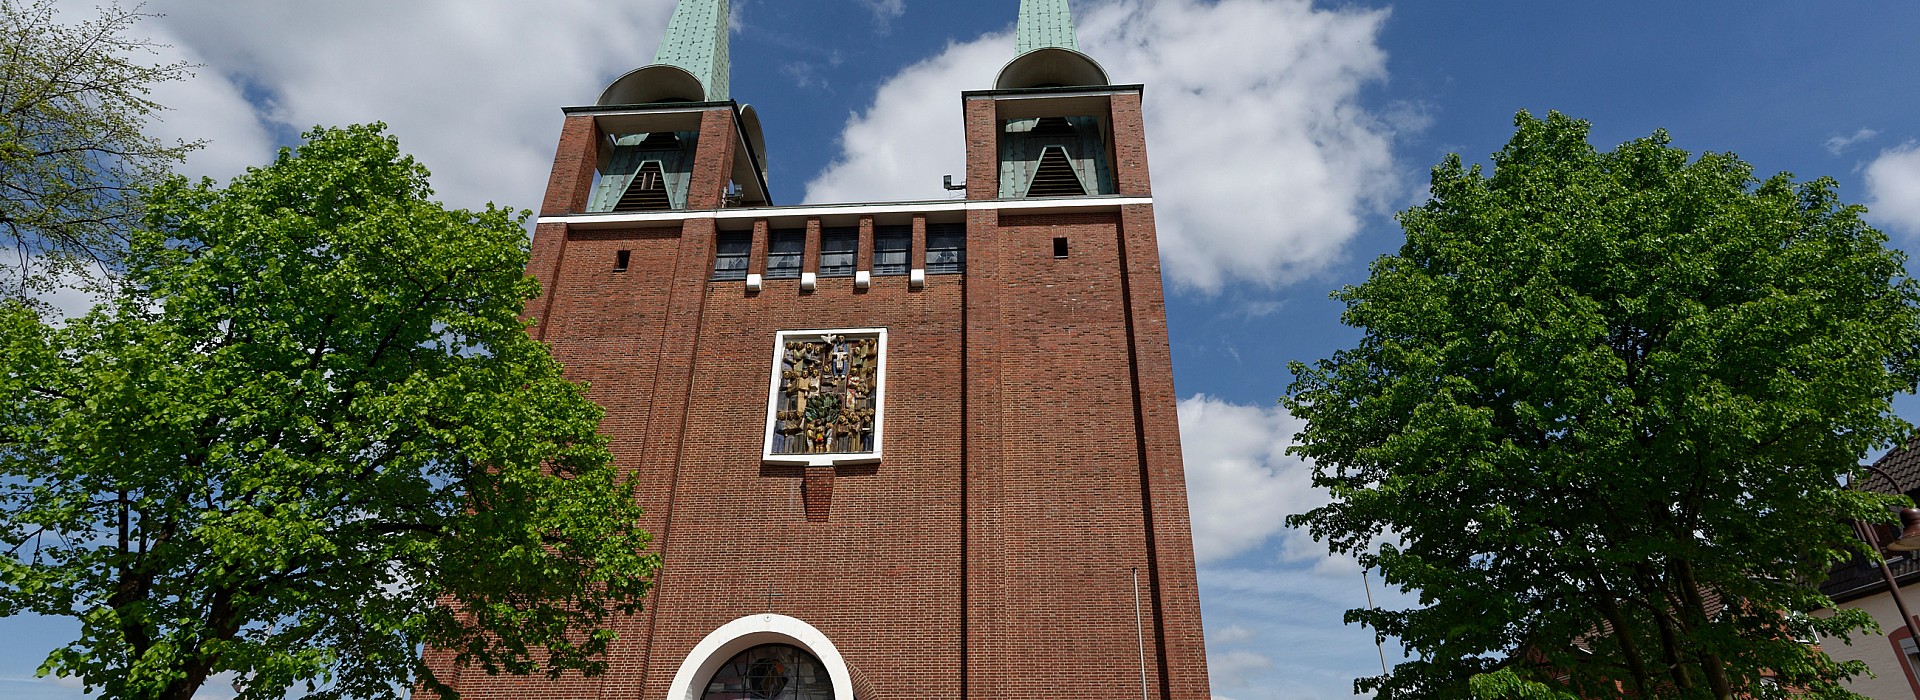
1282	136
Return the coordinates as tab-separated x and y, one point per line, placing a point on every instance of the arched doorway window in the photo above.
770	672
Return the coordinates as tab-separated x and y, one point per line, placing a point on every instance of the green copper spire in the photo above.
1045	23
697	41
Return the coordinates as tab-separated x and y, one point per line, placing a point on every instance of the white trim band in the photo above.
1061	205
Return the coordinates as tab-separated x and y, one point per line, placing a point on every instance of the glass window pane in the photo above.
784	250
771	672
839	248
730	255
891	245
946	248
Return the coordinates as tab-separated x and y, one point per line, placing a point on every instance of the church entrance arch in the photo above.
763	657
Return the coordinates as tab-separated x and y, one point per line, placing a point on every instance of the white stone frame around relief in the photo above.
749	632
767	455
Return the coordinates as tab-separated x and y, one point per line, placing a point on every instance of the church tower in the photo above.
887	450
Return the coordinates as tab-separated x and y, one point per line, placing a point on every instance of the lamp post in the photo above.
1908	541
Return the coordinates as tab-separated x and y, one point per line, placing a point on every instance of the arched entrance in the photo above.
763	657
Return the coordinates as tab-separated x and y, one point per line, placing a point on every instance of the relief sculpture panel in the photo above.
826	394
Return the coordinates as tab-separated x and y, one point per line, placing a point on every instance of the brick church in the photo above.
887	450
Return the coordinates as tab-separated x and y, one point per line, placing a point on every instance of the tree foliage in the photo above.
1600	416
313	439
73	101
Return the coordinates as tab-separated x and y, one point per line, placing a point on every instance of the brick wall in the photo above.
1031	463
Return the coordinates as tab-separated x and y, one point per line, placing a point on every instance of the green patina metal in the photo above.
697	41
1043	24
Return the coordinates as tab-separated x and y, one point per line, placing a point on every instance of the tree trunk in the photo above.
1710	662
1628	648
222	625
1651	582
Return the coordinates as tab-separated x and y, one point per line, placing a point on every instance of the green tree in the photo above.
1600	416
73	100
314	437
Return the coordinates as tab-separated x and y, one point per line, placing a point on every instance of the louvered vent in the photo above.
647	192
1055	176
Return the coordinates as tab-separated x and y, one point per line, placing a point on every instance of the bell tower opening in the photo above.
1054	157
645	172
1054	145
652	125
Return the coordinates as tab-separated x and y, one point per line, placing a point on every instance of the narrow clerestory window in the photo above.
730	253
839	249
891	246
785	248
946	248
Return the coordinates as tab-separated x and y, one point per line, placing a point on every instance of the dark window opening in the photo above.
946	248
664	141
1052	126
1060	247
839	249
620	260
785	248
730	253
891	247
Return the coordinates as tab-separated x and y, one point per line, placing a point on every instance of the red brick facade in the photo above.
1031	463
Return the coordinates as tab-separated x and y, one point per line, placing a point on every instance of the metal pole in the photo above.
1866	530
1376	638
1893	586
1140	635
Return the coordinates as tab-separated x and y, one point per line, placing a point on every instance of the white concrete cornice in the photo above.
1033	206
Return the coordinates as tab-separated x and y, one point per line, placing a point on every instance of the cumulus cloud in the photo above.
1893	189
911	135
1229	669
1839	144
1241	484
1231	634
211	109
1264	162
1288	604
440	73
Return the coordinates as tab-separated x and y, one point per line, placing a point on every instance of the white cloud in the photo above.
71	298
207	107
1893	189
218	687
1297	611
1241	484
1229	669
1231	634
911	135
1264	163
1839	144
441	73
